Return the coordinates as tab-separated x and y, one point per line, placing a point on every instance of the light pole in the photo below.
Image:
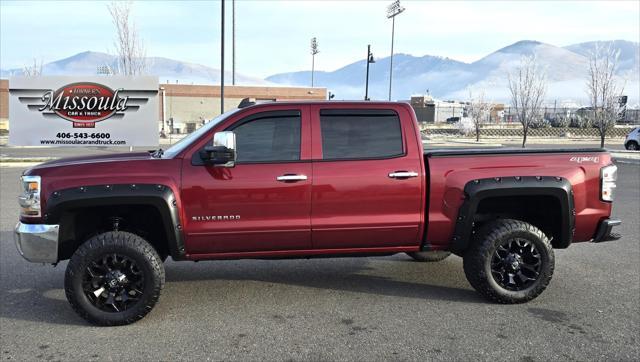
369	61
314	51
233	42
164	107
222	58
394	9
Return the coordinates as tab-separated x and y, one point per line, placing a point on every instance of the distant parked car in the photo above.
453	119
632	142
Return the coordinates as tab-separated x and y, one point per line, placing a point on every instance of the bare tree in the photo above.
528	86
479	110
129	46
34	70
603	88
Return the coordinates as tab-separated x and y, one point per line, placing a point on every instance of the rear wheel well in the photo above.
80	224
542	211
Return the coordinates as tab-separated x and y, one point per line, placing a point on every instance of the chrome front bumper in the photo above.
37	243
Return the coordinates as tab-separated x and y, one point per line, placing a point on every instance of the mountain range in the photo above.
447	78
167	70
442	77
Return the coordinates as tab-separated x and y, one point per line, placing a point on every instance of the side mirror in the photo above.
223	151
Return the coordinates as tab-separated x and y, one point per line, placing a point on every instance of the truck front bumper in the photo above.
37	243
604	231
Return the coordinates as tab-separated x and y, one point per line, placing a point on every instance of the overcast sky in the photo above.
273	36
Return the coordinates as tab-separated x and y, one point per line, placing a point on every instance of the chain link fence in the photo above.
502	122
552	116
516	132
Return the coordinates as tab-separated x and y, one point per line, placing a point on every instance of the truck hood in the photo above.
112	157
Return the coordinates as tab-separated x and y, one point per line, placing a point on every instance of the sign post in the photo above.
83	111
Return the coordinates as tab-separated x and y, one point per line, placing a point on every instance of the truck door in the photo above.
367	179
264	202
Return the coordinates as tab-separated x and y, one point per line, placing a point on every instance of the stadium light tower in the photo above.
394	9
314	51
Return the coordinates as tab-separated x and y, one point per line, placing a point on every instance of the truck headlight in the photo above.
29	199
608	177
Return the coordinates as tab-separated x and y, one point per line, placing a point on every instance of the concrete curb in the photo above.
625	156
18	164
27	159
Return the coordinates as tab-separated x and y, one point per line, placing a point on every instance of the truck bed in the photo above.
506	151
450	170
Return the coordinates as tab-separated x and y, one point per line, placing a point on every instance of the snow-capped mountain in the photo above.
629	52
170	70
566	69
444	78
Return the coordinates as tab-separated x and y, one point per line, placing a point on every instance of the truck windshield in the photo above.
174	150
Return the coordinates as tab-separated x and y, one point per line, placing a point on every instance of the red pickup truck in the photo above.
306	179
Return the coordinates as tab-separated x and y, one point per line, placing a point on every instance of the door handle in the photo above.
403	174
290	178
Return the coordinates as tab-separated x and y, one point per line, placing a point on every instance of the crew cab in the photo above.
308	179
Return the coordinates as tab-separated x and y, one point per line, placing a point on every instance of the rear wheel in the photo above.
632	146
510	261
429	256
114	278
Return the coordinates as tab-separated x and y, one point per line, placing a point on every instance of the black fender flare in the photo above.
161	197
480	189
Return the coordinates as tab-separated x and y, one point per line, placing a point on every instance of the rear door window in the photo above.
360	134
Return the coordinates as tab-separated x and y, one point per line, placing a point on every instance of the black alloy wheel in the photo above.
113	283
516	264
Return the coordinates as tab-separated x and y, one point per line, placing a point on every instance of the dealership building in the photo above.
188	106
184	107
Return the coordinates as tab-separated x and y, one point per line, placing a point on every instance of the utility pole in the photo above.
233	42
164	107
369	61
222	58
314	51
394	9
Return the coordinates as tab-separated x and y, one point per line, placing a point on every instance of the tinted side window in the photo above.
269	139
356	136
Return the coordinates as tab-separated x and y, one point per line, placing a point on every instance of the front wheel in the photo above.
510	261
114	278
632	146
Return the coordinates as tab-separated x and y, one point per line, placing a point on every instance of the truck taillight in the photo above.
608	177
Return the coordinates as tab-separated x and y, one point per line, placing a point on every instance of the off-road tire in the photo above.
632	146
123	243
429	256
477	260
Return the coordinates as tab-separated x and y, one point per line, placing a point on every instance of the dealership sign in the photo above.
83	111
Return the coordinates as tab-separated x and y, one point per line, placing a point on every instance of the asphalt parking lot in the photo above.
333	309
